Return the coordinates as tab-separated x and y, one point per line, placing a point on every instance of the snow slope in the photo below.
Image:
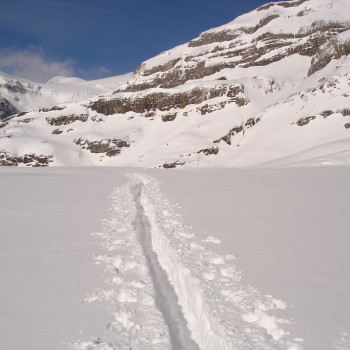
270	84
26	95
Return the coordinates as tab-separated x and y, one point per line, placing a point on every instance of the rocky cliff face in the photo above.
6	108
271	83
273	32
165	100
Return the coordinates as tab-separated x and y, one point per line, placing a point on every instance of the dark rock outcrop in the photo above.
172	165
31	159
25	120
162	68
165	101
209	151
287	4
6	108
331	49
305	120
169	117
325	114
345	112
66	119
215	107
214	37
238	129
176	77
50	109
282	4
228	35
16	86
110	147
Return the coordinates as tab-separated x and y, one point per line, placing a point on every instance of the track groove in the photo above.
166	298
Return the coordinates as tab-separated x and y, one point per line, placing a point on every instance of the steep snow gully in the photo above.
168	290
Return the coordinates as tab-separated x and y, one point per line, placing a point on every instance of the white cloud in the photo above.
33	64
103	71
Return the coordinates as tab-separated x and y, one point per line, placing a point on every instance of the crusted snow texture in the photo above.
219	311
136	322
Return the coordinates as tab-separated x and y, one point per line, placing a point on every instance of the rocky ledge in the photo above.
345	112
238	129
66	119
31	159
109	147
172	165
166	100
6	108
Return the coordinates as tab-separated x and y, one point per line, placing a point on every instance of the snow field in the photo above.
220	312
286	229
215	308
46	249
136	323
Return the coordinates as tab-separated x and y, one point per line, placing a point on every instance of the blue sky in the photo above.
98	38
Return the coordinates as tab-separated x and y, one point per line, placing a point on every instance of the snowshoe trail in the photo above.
168	290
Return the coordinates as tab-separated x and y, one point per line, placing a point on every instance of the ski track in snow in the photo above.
145	246
137	323
166	298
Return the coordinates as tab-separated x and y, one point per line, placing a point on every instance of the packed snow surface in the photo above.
250	259
46	250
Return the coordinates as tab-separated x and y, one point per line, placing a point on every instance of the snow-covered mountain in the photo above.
272	84
23	95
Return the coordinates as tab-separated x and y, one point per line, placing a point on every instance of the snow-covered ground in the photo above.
289	231
46	249
256	258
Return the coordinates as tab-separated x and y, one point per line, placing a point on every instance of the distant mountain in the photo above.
271	84
25	95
